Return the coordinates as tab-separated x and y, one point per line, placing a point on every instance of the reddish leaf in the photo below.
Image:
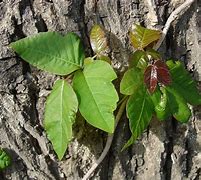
163	74
150	78
157	72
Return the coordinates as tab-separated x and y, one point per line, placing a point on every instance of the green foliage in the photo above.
60	113
139	59
178	105
150	85
162	108
96	94
170	86
131	81
5	160
153	53
51	52
183	83
139	111
141	37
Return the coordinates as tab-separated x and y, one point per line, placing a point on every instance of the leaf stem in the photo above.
121	101
109	140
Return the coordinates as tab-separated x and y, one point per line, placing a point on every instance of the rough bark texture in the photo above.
167	150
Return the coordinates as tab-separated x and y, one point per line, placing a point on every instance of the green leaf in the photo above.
52	52
183	83
88	60
141	37
5	160
178	105
139	111
153	53
162	108
98	40
60	113
131	81
139	59
96	94
104	58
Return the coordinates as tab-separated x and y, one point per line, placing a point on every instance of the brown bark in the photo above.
167	150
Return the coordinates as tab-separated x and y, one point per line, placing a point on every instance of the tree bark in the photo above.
167	150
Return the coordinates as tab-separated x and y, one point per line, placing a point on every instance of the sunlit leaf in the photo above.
183	83
96	94
141	37
98	40
139	111
52	52
60	112
131	81
139	59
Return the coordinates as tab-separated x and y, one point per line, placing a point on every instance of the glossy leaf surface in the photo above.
139	111
98	40
178	105
96	94
141	37
52	52
60	113
183	83
157	72
163	74
5	159
162	108
131	81
139	59
150	78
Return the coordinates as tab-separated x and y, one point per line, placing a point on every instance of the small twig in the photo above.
171	18
108	143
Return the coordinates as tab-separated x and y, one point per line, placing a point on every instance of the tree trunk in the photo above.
167	150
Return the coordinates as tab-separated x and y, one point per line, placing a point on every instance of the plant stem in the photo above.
109	141
121	101
171	18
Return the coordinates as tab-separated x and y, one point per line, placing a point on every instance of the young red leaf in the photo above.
163	74
150	78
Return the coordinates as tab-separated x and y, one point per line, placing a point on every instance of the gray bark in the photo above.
167	150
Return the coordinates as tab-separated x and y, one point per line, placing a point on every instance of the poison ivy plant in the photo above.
92	92
60	113
167	88
52	52
141	37
5	160
151	86
93	86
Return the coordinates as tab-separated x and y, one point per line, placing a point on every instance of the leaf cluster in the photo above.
153	86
